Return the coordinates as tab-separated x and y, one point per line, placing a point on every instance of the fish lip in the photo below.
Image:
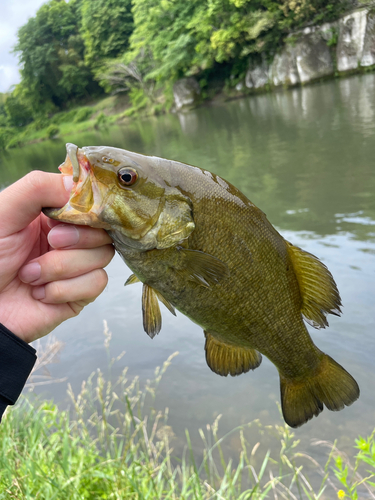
72	152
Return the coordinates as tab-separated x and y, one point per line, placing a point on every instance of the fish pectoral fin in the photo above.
202	268
151	311
225	359
132	279
166	302
319	292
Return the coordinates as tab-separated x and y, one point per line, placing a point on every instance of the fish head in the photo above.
127	194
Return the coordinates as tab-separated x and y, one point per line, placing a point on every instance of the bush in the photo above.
15	141
64	117
101	120
39	123
6	134
83	114
52	131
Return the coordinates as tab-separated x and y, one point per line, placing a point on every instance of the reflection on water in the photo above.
306	158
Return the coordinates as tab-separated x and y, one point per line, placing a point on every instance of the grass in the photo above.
98	115
112	444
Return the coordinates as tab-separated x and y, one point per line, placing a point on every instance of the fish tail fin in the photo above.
330	385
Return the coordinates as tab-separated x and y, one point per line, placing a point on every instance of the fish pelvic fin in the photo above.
331	385
131	280
319	292
225	359
151	310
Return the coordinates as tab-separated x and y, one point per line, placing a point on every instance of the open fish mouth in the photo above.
87	195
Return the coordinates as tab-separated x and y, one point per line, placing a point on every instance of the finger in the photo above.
68	235
64	264
22	202
80	290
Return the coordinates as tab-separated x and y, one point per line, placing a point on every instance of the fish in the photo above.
202	247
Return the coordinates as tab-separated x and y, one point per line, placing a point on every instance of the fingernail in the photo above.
39	292
63	236
30	272
68	182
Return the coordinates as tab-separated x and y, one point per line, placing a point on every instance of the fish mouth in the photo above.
87	195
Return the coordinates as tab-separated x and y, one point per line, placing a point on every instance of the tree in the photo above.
106	28
51	52
162	27
188	37
17	112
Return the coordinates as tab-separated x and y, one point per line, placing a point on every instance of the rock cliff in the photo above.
319	51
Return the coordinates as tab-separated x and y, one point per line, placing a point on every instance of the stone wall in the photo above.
312	54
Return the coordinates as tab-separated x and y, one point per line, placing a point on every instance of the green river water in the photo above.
306	158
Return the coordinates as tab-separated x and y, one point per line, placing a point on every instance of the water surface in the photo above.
306	158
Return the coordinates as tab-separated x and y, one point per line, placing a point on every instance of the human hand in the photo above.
48	271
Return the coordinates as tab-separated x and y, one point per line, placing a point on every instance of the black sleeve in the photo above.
17	359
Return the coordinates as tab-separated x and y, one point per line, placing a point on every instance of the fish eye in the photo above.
127	176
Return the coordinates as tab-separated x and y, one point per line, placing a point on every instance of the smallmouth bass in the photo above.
199	245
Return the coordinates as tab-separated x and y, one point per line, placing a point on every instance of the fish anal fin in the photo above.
131	280
203	268
330	385
151	311
319	292
225	359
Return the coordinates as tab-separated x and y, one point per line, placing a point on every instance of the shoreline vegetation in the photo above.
112	443
87	64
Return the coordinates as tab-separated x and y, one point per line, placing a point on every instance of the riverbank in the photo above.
114	444
114	110
331	50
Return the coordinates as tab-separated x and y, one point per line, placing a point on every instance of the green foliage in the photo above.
17	111
187	38
52	131
72	50
106	28
6	134
16	140
101	120
64	117
51	52
109	446
334	38
162	27
359	477
83	114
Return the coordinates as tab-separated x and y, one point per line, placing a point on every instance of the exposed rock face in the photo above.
313	58
284	68
352	30
368	55
186	93
310	57
258	76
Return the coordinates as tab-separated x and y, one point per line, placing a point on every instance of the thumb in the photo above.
22	202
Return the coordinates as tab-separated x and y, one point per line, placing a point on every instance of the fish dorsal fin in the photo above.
203	268
151	310
319	292
132	279
225	359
